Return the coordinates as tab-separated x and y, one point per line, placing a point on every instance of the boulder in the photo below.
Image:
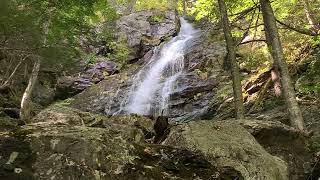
279	139
230	145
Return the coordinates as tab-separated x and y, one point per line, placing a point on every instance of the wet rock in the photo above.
103	95
106	96
191	97
193	91
230	145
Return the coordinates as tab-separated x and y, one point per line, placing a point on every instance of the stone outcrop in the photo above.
194	92
62	144
230	145
146	29
68	86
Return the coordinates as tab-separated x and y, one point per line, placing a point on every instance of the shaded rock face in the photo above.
68	86
63	149
190	99
300	152
230	145
142	33
106	96
282	141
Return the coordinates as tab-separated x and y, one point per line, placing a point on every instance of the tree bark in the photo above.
275	48
237	90
315	26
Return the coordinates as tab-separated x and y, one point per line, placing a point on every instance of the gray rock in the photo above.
231	146
68	86
193	93
141	34
47	150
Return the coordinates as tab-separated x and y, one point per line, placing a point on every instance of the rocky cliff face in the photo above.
145	30
194	89
140	32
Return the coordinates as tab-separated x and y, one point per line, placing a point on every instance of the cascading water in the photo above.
155	82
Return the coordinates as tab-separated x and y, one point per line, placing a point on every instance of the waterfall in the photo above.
153	84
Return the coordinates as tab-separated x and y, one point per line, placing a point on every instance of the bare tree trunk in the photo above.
275	48
315	26
237	90
26	98
25	109
184	4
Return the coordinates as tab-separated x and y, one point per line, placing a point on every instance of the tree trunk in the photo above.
184	4
275	48
315	26
25	108
275	76
237	90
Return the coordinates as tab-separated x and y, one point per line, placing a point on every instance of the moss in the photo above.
65	102
315	142
157	18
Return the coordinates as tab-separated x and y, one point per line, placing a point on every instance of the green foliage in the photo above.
309	83
23	26
254	59
152	4
120	52
204	9
156	18
316	41
315	142
65	102
272	102
90	58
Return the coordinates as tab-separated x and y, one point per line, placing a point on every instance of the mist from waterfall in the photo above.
153	84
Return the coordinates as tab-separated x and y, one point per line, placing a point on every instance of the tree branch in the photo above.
253	40
6	83
301	31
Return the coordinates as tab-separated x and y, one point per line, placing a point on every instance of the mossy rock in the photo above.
60	114
117	151
231	146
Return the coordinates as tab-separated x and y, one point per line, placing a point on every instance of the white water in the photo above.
154	83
